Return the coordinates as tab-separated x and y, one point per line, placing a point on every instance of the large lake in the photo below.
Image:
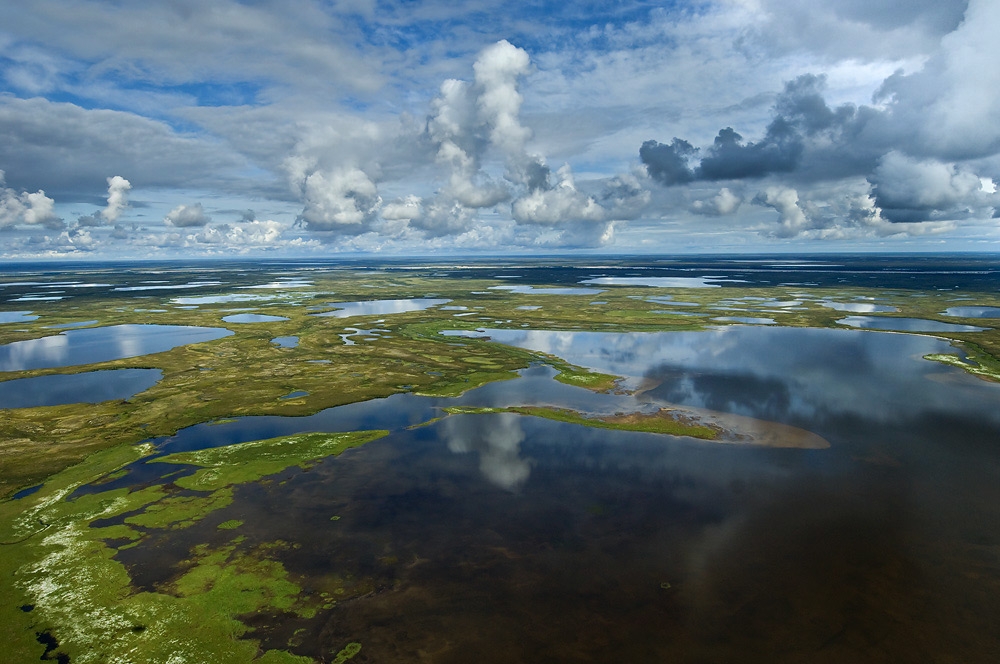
101	344
501	537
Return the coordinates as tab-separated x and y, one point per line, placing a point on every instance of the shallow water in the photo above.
101	344
597	545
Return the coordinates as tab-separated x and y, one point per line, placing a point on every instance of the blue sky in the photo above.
308	127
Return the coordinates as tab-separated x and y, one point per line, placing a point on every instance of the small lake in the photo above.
101	344
534	290
601	545
89	387
859	307
973	312
285	342
905	324
253	318
17	317
381	307
659	282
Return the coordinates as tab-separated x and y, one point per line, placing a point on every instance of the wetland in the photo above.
360	474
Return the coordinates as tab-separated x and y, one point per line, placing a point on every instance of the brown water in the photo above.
504	538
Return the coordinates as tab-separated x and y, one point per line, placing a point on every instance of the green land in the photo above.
59	574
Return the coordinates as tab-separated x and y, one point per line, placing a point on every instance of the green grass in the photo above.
644	423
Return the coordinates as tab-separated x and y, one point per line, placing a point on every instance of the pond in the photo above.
659	282
381	307
253	318
535	290
859	307
973	312
101	344
89	387
906	324
17	317
604	545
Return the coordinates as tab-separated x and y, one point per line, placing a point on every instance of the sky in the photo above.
189	128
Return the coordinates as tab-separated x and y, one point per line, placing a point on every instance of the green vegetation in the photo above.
247	462
59	561
58	549
669	423
208	381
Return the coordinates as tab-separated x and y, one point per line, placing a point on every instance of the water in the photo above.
381	307
101	344
285	342
534	290
973	312
253	318
16	317
906	324
89	387
859	307
659	282
596	545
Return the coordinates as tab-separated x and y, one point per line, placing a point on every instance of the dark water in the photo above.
89	387
503	538
101	344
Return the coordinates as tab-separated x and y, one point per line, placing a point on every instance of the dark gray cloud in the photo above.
808	142
806	138
70	151
667	163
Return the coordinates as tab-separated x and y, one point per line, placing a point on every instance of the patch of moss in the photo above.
348	652
652	423
181	511
247	462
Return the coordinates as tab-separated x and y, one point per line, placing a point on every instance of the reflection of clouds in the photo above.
497	438
100	344
789	372
380	307
49	351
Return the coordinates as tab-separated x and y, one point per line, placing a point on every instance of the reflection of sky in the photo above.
859	307
659	282
906	324
192	284
16	316
285	342
531	290
380	307
776	373
253	318
90	387
497	438
101	344
222	299
973	312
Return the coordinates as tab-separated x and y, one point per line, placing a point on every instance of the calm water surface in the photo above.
89	387
905	324
101	344
381	307
500	538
